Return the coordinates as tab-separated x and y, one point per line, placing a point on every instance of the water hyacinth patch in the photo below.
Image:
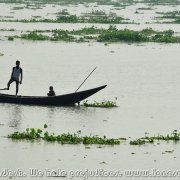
10	38
35	134
34	36
76	138
110	35
29	134
173	16
98	140
64	17
174	136
103	104
141	141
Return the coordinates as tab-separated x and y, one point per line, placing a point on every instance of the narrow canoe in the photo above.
61	100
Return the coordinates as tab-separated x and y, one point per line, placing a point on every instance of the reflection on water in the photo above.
81	110
51	111
22	116
15	115
53	114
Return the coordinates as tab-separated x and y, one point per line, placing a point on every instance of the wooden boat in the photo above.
62	100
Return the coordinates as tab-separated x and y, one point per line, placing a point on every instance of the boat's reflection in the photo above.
17	114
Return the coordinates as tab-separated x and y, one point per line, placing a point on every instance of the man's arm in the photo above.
21	76
12	72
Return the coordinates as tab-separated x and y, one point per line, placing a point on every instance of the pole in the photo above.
86	79
3	89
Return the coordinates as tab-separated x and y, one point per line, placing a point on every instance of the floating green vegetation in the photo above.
118	3
35	134
8	17
17	8
63	12
36	17
1	54
170	14
7	29
174	16
34	36
57	35
110	35
99	16
145	8
76	138
115	3
146	35
75	19
68	19
104	104
141	141
64	17
125	35
89	31
61	35
10	38
100	140
111	18
33	6
96	12
161	2
174	136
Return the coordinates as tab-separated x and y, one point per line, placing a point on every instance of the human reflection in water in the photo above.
15	115
51	111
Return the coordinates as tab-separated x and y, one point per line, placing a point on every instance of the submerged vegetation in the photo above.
104	104
110	35
35	134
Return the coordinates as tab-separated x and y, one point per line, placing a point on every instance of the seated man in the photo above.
51	91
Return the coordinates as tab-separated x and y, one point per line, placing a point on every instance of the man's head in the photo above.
51	88
17	63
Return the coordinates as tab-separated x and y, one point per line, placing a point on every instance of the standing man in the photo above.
16	72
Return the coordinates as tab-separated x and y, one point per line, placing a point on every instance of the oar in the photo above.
3	89
86	79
